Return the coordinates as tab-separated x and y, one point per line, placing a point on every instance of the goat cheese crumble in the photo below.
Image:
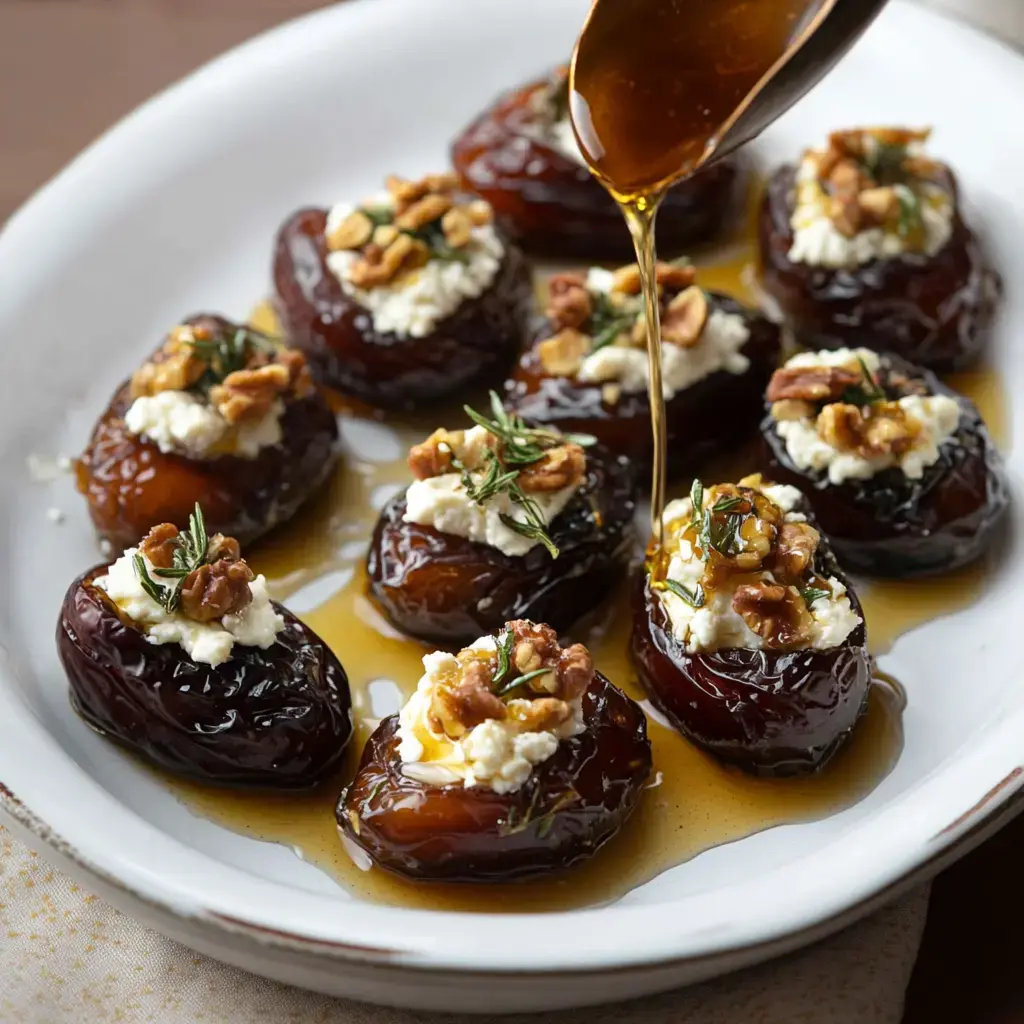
209	643
719	348
935	417
495	754
818	242
442	502
716	624
181	422
416	301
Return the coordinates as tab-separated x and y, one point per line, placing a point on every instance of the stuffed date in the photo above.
864	243
502	521
408	298
899	469
521	156
218	415
745	633
588	370
513	758
176	652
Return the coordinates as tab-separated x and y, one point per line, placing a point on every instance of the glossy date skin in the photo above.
552	206
892	526
130	485
278	718
696	427
770	713
570	806
934	310
449	591
474	346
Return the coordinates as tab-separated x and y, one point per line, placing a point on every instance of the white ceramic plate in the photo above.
175	211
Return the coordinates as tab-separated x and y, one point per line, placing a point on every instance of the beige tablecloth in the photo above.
68	958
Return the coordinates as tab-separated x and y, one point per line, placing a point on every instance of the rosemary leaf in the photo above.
694	598
516	683
506	641
812	594
728	504
696	501
157	592
532	532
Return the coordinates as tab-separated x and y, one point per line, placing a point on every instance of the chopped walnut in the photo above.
250	394
176	367
457	227
669	276
160	544
480	212
775	613
562	466
877	430
470	703
423	212
791	409
569	301
434	456
352	233
217	589
794	550
220	548
685	317
536	646
405	193
562	355
811	383
378	265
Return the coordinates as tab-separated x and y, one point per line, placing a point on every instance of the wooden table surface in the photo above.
70	68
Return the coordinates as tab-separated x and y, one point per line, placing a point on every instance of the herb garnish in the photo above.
607	320
867	391
225	353
519	446
505	645
521	680
718	527
189	555
911	222
884	162
812	594
694	598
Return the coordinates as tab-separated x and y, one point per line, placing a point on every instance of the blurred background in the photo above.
70	68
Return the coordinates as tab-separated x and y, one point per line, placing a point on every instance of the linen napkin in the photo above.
68	958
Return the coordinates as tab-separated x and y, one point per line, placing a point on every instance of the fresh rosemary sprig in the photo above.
189	554
812	594
884	162
519	446
514	684
696	502
694	598
226	353
866	391
714	531
505	645
607	321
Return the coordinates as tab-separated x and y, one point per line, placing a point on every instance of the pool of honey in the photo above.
693	803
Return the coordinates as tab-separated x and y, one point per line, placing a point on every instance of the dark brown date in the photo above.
552	206
889	525
450	591
271	719
570	806
131	485
475	345
768	712
705	419
934	310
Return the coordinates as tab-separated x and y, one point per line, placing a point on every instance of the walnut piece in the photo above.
879	429
562	355
378	265
405	193
352	233
176	367
542	714
562	466
160	544
217	589
423	212
669	276
811	383
470	703
794	551
791	409
250	394
684	318
569	300
777	614
433	457
536	646
457	227
223	548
